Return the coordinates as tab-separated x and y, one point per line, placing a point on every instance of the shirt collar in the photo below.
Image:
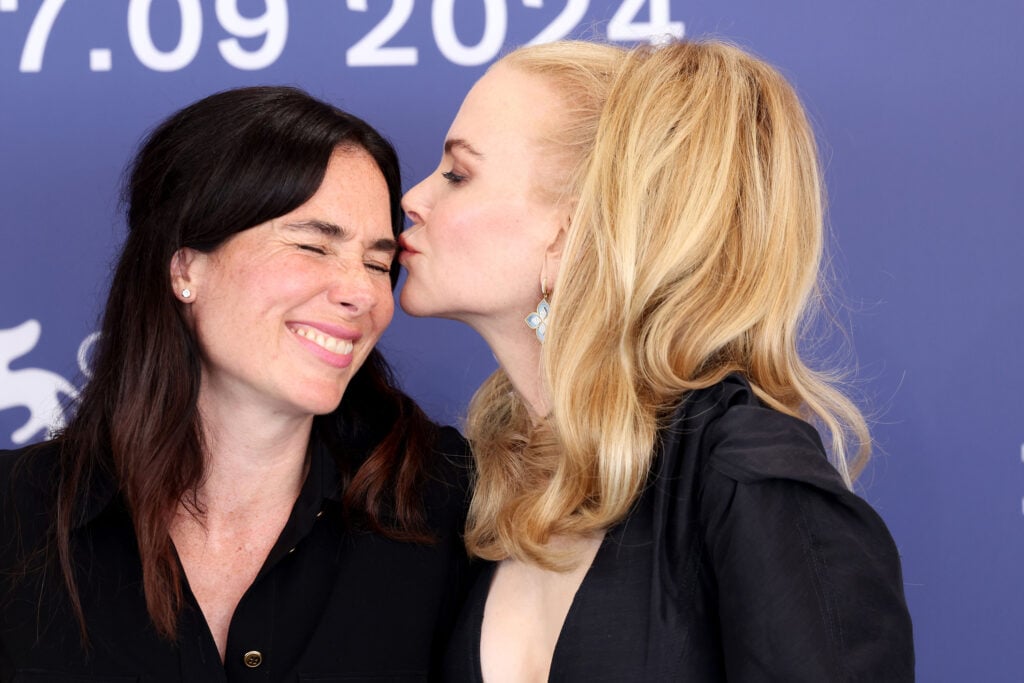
321	484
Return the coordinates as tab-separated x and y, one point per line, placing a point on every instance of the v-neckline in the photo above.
609	536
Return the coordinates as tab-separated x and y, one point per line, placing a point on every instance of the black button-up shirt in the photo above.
329	603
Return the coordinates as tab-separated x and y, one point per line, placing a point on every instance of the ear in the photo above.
553	257
186	271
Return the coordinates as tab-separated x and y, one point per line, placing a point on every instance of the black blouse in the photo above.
745	559
329	604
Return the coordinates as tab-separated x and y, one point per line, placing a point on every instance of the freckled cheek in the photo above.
305	280
384	308
252	281
385	311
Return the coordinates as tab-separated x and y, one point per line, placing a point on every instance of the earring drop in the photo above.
186	293
538	320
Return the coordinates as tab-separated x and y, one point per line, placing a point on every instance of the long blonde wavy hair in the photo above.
694	251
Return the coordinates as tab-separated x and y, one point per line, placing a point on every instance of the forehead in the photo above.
506	108
353	194
351	173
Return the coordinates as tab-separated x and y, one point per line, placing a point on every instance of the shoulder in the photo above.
453	460
752	443
740	461
28	473
450	472
756	462
763	488
28	479
807	572
743	440
451	444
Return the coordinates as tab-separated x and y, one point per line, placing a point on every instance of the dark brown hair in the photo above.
227	163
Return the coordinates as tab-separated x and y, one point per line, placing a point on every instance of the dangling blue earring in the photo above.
538	320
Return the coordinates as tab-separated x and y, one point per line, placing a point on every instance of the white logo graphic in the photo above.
33	388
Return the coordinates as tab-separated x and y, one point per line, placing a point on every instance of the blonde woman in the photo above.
652	489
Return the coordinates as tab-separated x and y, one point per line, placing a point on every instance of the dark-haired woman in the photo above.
243	493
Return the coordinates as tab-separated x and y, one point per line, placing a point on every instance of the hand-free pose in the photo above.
243	491
655	499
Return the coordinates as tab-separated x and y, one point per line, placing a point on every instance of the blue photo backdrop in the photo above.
918	107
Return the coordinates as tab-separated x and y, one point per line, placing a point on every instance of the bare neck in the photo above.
518	352
255	466
254	462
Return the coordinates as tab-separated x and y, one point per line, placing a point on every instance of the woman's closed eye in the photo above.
453	178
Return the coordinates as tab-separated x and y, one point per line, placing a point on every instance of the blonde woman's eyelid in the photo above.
452	177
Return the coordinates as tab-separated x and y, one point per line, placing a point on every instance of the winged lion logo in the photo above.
37	389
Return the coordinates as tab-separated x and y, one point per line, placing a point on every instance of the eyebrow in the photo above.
328	229
453	143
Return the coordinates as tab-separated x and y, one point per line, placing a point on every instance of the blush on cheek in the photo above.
384	315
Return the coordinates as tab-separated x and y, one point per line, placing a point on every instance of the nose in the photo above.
414	203
354	289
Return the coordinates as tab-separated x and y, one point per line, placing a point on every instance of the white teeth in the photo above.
332	344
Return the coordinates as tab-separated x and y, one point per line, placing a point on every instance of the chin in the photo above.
414	305
320	402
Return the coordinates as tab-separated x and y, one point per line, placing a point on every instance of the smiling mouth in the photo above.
342	347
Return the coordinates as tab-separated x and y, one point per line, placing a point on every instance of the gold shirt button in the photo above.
252	658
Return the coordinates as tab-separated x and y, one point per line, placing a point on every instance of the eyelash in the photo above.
372	265
453	178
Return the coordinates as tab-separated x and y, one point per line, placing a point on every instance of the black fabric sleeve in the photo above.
807	575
